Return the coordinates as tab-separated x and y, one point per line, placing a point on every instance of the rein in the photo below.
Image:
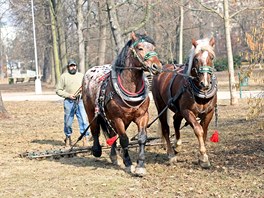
181	74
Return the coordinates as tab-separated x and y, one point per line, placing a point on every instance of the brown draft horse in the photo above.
190	91
114	96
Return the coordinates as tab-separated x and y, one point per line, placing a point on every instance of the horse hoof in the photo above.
173	160
130	169
113	159
140	171
204	162
178	148
97	152
205	165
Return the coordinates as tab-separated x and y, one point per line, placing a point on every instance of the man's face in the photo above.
72	69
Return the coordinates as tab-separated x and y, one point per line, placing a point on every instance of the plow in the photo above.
71	152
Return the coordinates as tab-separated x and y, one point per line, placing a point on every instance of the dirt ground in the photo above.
237	160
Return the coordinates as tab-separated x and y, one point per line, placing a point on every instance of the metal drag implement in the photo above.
56	154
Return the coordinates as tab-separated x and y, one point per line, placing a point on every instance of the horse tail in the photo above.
102	122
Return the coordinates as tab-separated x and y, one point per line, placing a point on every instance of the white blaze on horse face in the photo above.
204	61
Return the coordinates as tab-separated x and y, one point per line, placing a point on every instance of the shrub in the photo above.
221	64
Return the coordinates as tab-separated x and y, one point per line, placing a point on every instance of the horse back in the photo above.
168	83
92	82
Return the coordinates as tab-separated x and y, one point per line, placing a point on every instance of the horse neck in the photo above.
131	79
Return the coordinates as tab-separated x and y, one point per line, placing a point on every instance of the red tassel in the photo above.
111	140
214	137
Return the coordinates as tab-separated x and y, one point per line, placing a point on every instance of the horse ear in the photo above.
133	36
212	42
194	42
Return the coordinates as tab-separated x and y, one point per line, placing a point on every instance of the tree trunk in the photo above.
181	34
80	25
232	82
3	111
114	24
102	37
57	63
46	54
61	31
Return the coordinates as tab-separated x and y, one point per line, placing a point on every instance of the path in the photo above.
51	96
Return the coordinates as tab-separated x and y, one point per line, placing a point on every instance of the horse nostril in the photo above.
155	68
202	84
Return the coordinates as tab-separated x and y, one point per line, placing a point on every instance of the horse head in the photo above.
143	53
202	62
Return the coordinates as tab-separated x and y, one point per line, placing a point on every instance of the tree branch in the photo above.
207	9
143	22
243	9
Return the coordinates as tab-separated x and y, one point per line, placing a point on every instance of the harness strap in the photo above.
103	100
171	100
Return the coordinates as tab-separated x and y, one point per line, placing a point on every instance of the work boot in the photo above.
68	141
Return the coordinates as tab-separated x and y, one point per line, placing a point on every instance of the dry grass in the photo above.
237	160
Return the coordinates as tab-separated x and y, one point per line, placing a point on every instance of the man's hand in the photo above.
72	97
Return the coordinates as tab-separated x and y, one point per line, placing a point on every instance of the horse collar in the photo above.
140	96
128	93
204	94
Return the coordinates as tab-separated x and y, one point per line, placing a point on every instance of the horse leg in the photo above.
205	123
163	118
96	148
113	154
166	134
95	130
177	123
142	139
198	130
124	141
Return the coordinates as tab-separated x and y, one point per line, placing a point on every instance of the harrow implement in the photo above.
58	153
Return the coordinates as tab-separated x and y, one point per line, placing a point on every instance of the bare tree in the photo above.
80	28
57	63
117	31
3	111
227	18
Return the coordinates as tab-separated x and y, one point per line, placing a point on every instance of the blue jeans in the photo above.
71	108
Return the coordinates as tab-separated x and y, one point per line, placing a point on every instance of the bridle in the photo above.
201	70
147	56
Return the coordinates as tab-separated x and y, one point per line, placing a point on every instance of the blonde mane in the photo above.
203	45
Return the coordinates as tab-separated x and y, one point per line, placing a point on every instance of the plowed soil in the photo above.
237	159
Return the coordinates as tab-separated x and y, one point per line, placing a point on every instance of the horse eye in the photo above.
140	48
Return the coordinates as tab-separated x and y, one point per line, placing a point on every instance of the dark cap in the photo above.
71	62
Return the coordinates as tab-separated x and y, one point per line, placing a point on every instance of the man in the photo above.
67	87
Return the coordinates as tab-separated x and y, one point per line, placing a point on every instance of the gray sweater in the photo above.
69	84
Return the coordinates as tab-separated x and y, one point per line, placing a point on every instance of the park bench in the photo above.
32	79
20	80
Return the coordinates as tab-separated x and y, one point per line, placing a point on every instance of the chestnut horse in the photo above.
114	96
190	91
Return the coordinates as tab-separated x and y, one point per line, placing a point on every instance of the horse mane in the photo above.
120	61
203	44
